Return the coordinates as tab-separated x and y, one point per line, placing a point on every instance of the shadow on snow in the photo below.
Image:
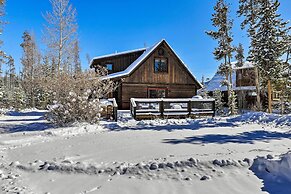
40	126
35	124
26	114
242	138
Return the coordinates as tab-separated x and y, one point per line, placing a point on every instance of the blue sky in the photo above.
114	25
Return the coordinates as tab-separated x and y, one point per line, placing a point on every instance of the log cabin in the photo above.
243	80
154	72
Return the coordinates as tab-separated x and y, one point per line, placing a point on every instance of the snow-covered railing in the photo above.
110	104
169	107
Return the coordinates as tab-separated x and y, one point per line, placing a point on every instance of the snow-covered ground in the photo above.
217	155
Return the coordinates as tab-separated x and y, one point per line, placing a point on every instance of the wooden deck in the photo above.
171	108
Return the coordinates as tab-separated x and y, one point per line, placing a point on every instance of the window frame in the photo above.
160	59
157	89
106	66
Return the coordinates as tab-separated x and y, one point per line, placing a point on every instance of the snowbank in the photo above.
275	169
263	118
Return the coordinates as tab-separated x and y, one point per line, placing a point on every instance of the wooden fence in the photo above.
171	108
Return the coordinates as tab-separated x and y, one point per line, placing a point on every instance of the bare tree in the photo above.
60	32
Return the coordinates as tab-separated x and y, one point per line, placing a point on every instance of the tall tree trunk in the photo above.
259	106
230	83
269	96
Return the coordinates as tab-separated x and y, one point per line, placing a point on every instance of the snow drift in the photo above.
276	173
263	118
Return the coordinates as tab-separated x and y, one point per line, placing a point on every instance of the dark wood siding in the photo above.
177	73
120	62
245	77
176	80
133	90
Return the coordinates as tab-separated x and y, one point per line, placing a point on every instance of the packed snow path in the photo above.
157	156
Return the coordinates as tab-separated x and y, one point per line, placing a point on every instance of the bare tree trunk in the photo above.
259	106
269	96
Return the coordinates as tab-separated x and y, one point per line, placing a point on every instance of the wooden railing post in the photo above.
134	112
115	113
213	108
189	107
162	108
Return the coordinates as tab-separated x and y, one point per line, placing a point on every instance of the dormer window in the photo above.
161	65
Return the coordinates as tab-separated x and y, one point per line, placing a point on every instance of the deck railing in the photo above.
142	108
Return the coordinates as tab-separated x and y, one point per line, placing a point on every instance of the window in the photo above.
157	92
161	65
109	67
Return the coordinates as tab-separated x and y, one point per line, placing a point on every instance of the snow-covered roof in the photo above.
215	82
245	65
135	64
117	54
143	57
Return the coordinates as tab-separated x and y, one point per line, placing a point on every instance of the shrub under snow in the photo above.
75	108
77	98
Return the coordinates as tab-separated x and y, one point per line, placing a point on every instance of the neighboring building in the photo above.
154	72
243	83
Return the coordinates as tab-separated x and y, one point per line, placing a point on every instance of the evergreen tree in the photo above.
30	62
232	102
240	62
11	72
239	55
218	102
249	9
269	44
220	20
77	61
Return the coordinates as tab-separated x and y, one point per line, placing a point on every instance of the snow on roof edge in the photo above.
117	54
130	68
246	65
142	57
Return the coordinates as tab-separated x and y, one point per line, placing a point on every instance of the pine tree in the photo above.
240	62
269	44
239	55
11	73
218	102
30	62
232	102
220	20
249	9
77	61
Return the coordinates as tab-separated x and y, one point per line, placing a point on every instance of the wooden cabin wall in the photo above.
245	77
132	90
177	73
178	82
120	63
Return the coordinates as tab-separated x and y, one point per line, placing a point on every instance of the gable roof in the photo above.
131	68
